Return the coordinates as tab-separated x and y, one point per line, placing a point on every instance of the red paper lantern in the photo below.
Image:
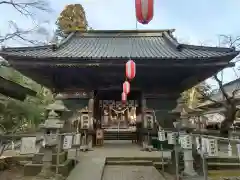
144	11
130	69
124	97
126	87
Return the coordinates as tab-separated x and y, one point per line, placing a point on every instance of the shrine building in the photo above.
91	66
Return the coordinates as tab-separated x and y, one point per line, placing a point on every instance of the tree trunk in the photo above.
230	116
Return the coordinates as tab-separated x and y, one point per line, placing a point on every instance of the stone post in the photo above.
90	114
188	147
188	157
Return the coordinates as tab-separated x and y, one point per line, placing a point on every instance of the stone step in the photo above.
158	165
222	165
223	159
114	135
152	159
22	163
37	158
31	169
131	163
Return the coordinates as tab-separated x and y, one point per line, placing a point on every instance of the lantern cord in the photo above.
131	41
136	24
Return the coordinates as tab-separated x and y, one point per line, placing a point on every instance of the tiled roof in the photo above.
120	44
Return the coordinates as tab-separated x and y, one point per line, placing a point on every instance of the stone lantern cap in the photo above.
57	106
52	122
179	107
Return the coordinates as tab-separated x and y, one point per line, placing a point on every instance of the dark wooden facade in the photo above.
95	60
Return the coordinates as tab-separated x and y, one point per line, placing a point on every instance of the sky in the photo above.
196	22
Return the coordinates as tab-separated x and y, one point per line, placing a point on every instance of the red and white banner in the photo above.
130	69
126	87
144	11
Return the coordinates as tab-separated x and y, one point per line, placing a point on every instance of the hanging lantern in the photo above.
130	69
124	97
126	87
144	11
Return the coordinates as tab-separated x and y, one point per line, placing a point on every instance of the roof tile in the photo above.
137	44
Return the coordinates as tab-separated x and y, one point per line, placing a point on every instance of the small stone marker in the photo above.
28	145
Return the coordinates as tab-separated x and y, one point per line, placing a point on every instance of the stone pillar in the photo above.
188	157
47	163
185	126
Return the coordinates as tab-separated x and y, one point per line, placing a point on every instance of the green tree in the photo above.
25	114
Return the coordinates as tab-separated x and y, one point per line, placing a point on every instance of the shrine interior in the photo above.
112	113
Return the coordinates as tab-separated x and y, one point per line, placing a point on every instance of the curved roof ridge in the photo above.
27	48
171	40
65	40
128	31
208	48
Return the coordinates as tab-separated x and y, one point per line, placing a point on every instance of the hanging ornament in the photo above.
212	147
205	145
238	150
198	144
124	97
161	135
13	145
229	149
144	11
126	87
130	69
186	141
171	137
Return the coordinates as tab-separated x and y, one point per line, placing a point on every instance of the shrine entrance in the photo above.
114	117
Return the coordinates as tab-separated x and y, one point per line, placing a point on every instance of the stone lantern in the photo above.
51	128
182	124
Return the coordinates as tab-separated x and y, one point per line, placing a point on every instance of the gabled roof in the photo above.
119	44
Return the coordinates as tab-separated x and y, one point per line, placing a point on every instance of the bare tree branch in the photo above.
28	9
230	41
21	34
220	83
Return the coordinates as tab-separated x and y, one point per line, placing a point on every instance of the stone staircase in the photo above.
137	161
119	135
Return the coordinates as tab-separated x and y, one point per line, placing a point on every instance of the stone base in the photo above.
37	158
31	169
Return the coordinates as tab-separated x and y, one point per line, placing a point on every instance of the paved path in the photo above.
91	164
88	169
131	173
